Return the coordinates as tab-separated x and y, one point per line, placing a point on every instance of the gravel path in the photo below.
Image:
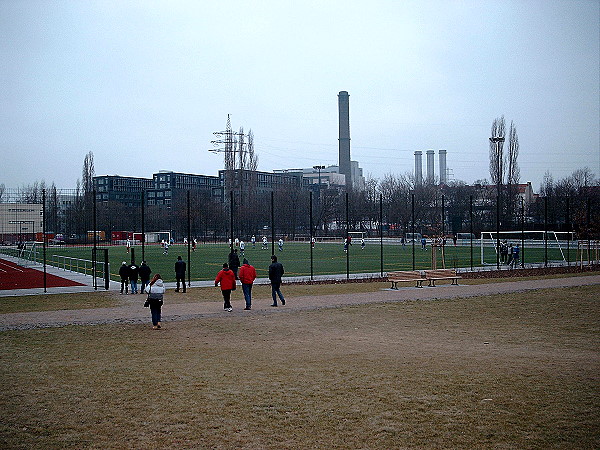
185	311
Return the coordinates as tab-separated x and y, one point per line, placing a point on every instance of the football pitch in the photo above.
327	258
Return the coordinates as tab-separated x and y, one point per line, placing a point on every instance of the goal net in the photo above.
356	236
534	246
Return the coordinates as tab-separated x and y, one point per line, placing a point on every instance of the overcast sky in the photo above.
144	84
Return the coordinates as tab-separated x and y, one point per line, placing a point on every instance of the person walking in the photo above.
180	273
275	273
155	291
227	280
234	262
247	277
133	277
124	274
144	272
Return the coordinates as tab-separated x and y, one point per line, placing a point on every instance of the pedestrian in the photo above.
515	255
253	240
454	239
155	291
346	245
247	277
133	277
362	243
234	262
312	242
280	244
180	273
242	247
265	243
194	244
423	243
227	280
124	274
128	245
144	272
166	248
275	273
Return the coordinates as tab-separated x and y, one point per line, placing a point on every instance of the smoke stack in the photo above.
418	167
443	171
430	167
344	136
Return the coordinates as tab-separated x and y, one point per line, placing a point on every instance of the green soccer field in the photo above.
328	258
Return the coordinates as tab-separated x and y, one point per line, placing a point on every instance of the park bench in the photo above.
441	274
406	276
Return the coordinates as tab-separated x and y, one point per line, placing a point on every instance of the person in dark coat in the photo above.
234	262
180	273
124	274
144	272
275	273
133	278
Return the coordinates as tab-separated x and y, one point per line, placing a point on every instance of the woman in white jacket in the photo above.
155	291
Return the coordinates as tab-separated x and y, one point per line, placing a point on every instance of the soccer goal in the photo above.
356	236
557	246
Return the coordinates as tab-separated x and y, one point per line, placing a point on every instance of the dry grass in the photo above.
514	371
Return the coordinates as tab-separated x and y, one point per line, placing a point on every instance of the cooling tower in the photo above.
430	167
344	136
443	171
418	167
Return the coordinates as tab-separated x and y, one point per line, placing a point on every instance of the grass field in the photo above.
328	258
510	371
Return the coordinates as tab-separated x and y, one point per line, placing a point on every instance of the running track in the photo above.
13	276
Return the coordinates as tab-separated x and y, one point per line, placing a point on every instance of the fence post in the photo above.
545	231
106	270
568	229
189	240
471	228
94	226
381	232
347	241
272	223
143	224
44	234
310	242
413	229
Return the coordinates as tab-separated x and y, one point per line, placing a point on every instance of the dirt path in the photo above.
186	311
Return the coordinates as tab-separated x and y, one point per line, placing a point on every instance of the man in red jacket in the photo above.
247	275
227	280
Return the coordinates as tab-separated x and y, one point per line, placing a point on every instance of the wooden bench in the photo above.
442	274
406	276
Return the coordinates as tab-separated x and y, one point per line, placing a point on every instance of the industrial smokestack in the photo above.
344	136
430	167
443	171
418	167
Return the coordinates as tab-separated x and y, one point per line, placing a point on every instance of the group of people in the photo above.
246	273
509	253
226	278
130	274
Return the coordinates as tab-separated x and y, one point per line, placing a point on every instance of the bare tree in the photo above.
496	150
514	173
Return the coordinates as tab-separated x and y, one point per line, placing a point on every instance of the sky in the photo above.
145	84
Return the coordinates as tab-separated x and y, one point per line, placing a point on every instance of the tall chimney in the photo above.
430	167
443	171
344	136
418	167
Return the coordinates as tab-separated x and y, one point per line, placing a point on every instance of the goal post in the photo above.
356	236
539	244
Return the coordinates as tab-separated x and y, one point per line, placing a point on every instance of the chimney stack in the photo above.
344	136
443	171
430	167
418	168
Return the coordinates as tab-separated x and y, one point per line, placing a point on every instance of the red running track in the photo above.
13	276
